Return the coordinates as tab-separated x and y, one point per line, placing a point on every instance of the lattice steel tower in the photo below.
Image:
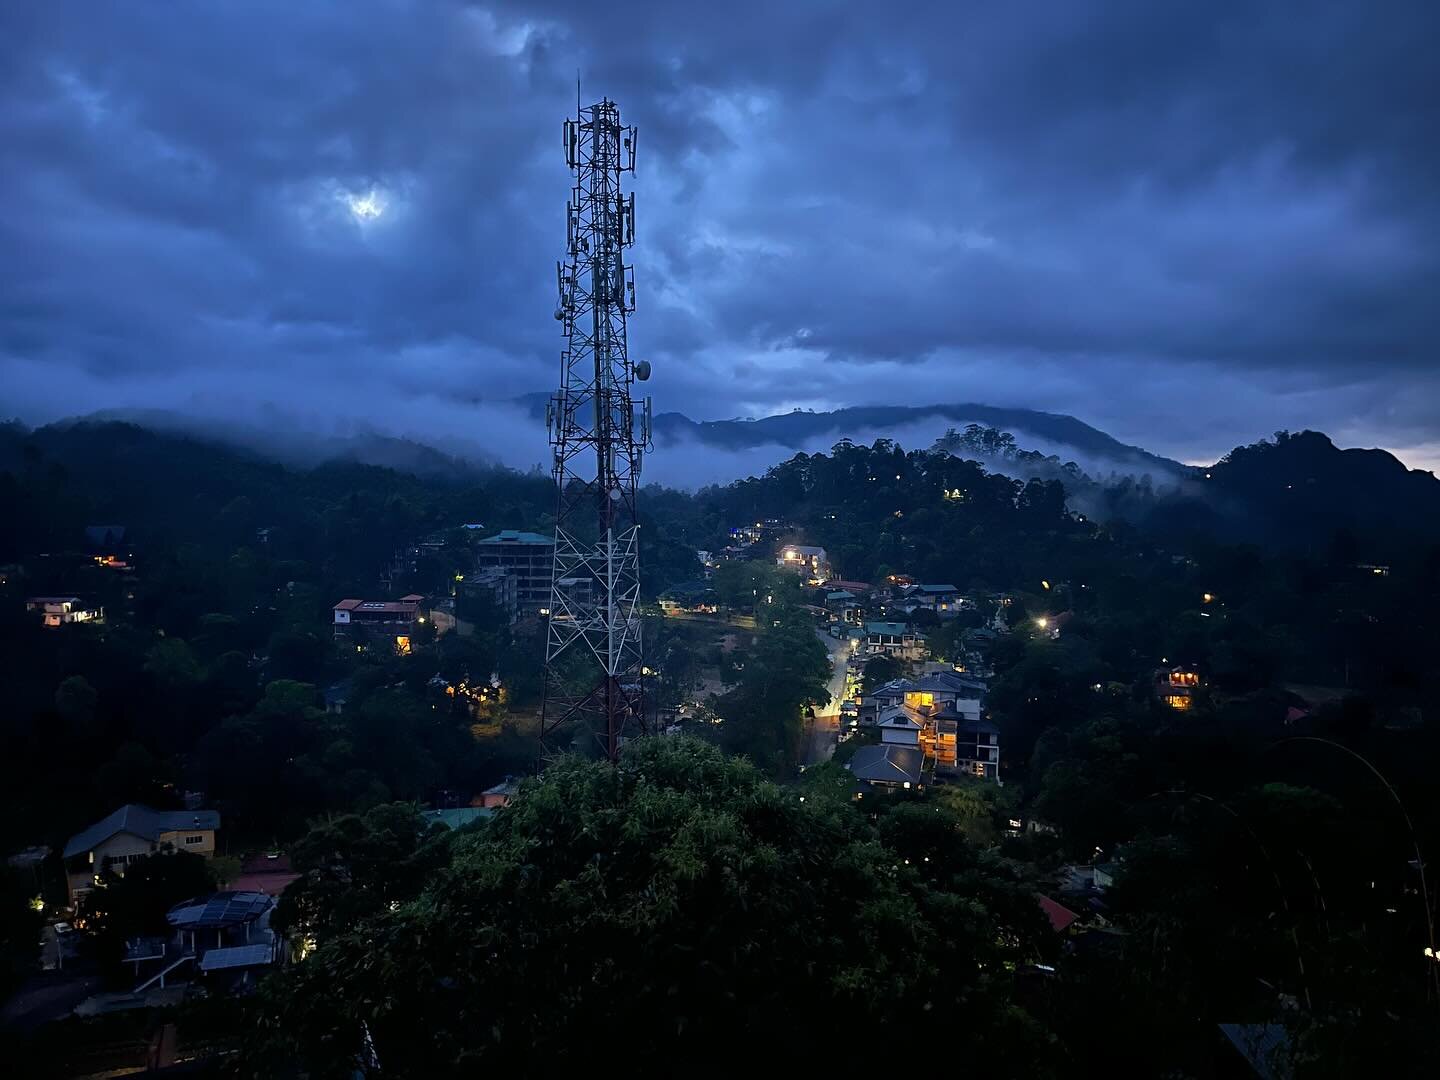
592	654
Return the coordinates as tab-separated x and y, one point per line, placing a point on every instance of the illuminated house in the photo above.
940	713
387	618
844	605
894	639
695	596
938	690
527	556
901	726
131	833
56	611
944	600
811	560
1176	687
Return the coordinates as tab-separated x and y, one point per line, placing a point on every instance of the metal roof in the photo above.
890	629
140	821
219	910
515	536
887	764
238	956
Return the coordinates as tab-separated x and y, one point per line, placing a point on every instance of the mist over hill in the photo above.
1297	490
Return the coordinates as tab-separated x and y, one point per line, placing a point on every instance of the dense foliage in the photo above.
686	901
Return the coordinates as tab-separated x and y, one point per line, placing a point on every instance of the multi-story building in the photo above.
937	689
940	712
386	618
526	556
810	560
498	584
893	639
967	746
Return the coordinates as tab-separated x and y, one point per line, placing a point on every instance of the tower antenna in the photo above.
593	669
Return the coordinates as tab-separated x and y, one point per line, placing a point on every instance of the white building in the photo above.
811	560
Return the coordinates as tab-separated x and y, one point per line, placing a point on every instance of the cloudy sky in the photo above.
1188	224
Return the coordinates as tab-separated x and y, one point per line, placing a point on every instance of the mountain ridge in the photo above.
799	430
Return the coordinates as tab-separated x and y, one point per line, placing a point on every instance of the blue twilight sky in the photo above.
1187	223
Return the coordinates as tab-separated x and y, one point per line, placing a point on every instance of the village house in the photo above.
976	745
56	611
940	712
1176	687
810	560
963	693
696	597
386	618
889	766
944	600
497	797
224	940
130	833
900	725
894	639
844	605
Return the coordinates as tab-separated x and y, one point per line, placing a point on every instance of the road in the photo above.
820	739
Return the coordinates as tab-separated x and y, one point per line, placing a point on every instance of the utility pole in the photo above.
593	669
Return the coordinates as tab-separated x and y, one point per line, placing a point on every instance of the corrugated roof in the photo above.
515	536
1059	915
237	956
901	716
890	629
140	821
888	764
951	681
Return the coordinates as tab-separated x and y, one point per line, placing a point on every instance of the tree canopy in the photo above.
676	908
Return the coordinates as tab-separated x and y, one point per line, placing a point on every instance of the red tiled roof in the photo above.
1059	915
348	605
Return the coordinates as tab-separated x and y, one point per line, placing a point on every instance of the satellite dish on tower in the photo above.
642	369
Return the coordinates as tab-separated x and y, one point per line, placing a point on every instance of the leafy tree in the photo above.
683	899
75	701
880	670
784	672
355	866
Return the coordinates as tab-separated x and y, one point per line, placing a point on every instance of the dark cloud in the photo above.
1188	224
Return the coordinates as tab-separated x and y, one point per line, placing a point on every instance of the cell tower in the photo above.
592	652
